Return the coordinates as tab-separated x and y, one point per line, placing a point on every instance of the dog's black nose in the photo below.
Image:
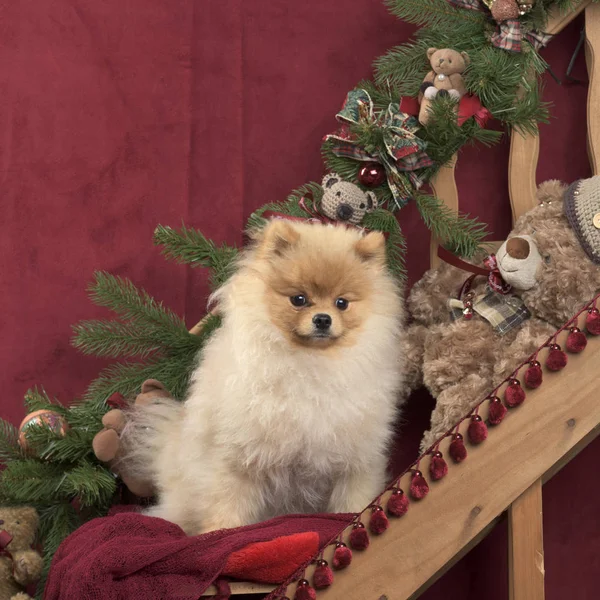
344	212
322	321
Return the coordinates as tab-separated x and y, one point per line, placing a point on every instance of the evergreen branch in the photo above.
190	246
74	445
92	485
9	442
39	400
432	12
386	222
57	521
457	233
312	192
29	481
115	339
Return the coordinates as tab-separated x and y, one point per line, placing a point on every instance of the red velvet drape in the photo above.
116	115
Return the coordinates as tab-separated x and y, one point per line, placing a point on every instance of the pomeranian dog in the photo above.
292	404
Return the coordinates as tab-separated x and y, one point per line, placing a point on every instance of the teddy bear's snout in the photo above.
344	212
518	248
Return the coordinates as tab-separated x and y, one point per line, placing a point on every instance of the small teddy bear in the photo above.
444	79
20	566
107	443
344	201
473	337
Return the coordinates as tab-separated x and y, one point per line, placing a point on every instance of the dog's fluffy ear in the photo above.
278	236
371	247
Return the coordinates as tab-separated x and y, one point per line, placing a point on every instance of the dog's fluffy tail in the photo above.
145	435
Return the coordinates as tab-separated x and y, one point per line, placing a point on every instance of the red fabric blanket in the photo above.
130	556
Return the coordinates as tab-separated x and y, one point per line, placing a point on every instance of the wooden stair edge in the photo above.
540	436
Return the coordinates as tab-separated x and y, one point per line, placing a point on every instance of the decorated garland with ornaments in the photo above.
467	64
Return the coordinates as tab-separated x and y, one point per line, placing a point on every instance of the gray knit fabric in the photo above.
582	207
344	201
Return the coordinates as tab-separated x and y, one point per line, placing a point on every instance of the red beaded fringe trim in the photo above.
397	501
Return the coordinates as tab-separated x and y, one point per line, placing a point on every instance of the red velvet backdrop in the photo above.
116	115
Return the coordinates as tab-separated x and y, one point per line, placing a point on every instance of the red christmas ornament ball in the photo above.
48	418
371	175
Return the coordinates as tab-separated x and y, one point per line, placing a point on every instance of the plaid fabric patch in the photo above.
503	313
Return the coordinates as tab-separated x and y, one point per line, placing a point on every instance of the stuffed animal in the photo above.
20	566
444	79
344	201
107	444
472	342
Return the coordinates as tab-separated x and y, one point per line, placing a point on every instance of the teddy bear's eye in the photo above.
17	522
362	205
547	259
338	194
450	60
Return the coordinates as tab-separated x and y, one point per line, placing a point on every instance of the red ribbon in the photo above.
469	106
5	540
492	272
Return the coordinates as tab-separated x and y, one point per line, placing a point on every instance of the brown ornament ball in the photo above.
371	175
49	418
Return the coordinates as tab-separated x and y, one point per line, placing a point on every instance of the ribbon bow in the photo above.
404	152
491	271
509	34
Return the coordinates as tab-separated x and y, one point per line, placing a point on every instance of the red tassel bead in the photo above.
342	556
379	521
398	504
418	486
514	393
438	468
359	538
323	576
496	411
304	591
592	321
557	359
533	375
477	431
576	341
457	449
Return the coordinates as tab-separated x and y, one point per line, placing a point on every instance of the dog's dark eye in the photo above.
299	300
341	303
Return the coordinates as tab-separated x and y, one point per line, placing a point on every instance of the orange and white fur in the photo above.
293	401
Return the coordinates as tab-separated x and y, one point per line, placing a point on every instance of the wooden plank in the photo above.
522	166
526	545
554	421
444	187
592	39
559	20
239	588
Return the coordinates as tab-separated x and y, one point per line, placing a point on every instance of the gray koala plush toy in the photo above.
344	201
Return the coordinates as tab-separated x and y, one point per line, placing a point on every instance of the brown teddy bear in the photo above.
20	566
444	79
475	330
107	444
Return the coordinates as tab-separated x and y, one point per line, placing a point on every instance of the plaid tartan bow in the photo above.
404	151
509	34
